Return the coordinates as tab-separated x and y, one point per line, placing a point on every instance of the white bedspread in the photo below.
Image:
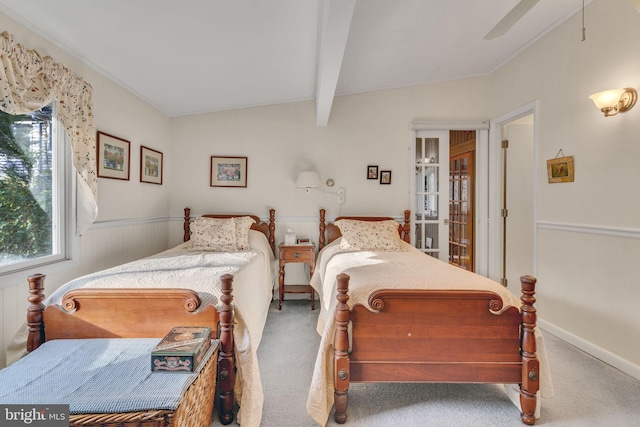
373	270
200	271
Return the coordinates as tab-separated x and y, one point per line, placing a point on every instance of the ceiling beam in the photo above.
333	33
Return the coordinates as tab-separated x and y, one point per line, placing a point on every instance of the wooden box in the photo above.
181	350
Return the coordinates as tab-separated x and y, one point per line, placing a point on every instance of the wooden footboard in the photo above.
131	313
436	336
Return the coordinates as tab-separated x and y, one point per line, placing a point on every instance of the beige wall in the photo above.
283	140
588	231
132	220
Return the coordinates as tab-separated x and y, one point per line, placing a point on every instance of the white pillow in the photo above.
243	225
369	235
213	234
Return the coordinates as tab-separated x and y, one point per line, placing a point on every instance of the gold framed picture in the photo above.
150	165
228	172
560	169
113	155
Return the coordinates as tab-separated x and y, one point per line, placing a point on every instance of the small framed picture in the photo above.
372	172
385	177
113	156
560	169
228	172
150	165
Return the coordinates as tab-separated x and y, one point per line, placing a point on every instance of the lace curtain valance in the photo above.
29	82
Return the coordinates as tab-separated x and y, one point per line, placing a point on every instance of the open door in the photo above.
517	210
431	221
462	150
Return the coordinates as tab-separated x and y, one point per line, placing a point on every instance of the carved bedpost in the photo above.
406	235
272	230
34	312
226	361
187	225
322	237
530	364
341	351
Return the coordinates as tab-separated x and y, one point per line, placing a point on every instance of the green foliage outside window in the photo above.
25	186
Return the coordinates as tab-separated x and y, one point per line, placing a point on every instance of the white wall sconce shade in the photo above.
308	180
614	101
311	179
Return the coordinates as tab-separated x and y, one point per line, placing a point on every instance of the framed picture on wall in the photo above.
372	172
150	165
228	171
560	169
113	156
385	177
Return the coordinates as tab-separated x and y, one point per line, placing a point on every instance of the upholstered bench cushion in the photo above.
95	376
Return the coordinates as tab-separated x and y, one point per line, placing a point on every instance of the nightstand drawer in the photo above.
298	254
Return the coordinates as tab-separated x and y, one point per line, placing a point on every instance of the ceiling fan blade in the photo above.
511	18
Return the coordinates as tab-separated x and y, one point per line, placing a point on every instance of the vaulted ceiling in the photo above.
195	56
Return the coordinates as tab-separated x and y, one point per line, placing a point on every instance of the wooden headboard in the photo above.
330	232
268	229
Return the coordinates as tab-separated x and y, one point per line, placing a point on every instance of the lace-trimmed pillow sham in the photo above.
221	234
369	235
213	234
243	225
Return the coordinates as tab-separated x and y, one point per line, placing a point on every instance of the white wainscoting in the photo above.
104	245
587	290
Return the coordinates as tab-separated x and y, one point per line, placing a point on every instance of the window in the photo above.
35	189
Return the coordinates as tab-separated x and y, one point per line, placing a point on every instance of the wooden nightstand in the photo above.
305	253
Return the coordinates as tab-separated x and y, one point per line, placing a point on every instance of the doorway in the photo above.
462	149
513	188
430	201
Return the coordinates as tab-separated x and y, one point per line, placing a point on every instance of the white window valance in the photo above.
29	82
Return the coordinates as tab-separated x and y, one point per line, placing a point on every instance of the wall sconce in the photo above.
612	102
311	179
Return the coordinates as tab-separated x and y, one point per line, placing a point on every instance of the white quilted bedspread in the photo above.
373	270
200	271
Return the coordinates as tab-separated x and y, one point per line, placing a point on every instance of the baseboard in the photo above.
594	350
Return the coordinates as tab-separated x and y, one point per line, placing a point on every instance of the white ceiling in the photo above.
194	56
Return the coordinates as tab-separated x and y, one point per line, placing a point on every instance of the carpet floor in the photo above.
588	392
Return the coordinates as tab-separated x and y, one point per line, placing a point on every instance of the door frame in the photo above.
495	176
482	173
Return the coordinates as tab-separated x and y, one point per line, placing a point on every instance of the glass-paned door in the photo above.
431	161
461	173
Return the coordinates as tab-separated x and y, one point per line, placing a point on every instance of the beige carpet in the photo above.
588	391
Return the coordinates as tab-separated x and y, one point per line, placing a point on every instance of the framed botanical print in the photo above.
150	165
560	169
228	172
113	156
385	177
372	172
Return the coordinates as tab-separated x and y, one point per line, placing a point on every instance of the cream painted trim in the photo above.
308	219
494	179
631	233
118	223
592	349
427	125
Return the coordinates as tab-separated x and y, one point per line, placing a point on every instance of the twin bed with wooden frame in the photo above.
404	316
129	312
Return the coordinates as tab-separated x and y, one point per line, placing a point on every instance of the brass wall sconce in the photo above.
612	102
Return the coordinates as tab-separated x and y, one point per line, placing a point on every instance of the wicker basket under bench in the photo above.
194	406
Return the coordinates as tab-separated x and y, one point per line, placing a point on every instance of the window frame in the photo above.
65	242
